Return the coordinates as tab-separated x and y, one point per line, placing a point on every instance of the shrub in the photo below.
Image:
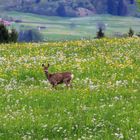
13	36
4	35
100	33
131	32
7	36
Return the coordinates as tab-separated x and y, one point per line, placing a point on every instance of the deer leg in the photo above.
67	82
70	85
54	87
54	84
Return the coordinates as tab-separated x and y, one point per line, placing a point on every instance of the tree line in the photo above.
31	35
12	36
7	36
100	33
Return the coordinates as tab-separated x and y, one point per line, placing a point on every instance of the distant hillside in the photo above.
73	8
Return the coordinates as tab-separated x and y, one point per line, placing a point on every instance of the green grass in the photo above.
102	104
58	27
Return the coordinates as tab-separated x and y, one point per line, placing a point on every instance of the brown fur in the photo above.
58	78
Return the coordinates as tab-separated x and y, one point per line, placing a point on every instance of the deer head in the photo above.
45	68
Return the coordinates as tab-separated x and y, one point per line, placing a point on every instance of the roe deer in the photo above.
58	78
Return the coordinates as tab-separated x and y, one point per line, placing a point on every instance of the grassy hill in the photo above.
58	28
72	8
103	102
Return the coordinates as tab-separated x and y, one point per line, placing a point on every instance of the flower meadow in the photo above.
103	103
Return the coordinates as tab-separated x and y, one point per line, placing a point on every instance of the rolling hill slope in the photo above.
62	28
73	8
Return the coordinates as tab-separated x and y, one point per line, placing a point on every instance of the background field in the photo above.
103	103
58	28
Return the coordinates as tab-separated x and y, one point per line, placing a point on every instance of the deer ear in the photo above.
43	65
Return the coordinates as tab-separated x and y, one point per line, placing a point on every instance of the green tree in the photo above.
100	33
131	32
4	35
13	36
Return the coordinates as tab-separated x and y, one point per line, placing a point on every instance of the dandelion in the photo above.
119	135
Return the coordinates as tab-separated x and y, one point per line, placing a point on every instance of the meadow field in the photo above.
66	28
103	104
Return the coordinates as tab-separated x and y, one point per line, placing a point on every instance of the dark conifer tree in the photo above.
131	32
13	36
4	35
100	33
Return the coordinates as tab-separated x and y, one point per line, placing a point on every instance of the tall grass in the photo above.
102	104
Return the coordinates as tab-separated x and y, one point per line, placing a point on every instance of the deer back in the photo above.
60	77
